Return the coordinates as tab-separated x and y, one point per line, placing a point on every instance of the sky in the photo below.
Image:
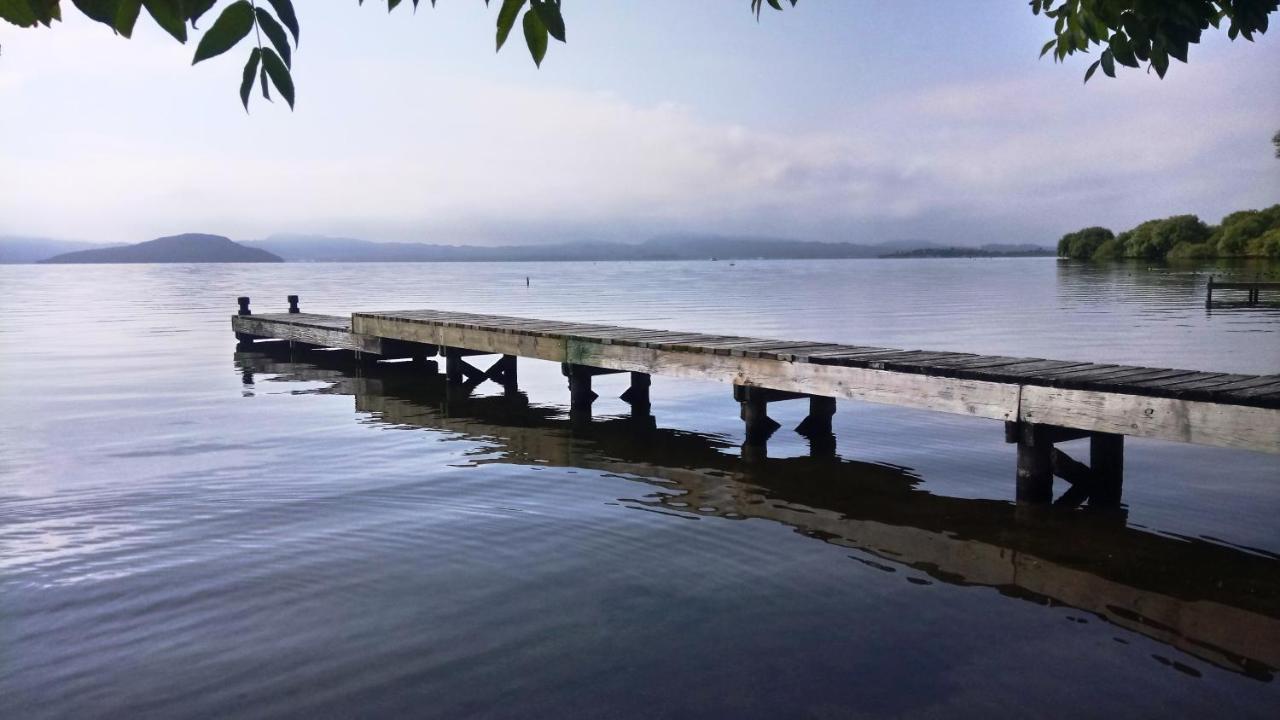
859	121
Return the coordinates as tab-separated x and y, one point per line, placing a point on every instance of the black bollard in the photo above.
293	305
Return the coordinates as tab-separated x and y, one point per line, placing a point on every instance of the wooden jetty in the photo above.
1214	601
1253	291
1042	402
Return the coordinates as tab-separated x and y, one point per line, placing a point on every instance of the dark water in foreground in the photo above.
187	531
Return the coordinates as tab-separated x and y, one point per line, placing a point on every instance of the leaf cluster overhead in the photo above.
1128	32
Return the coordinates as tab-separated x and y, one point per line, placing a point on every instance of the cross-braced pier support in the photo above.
458	371
1100	482
760	427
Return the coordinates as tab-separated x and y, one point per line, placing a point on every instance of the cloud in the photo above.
476	159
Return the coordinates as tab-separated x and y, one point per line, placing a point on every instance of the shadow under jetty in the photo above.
1216	602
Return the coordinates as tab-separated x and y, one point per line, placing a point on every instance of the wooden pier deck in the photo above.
1043	402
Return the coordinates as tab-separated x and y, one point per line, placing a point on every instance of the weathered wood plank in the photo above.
983	386
1248	428
309	334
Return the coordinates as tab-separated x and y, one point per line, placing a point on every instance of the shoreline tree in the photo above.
1128	33
1247	233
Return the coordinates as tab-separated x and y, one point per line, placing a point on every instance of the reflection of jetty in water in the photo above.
1218	603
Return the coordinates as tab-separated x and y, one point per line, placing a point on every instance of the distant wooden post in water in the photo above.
1042	402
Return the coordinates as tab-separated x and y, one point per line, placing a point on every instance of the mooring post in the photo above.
1035	465
1106	460
1208	298
293	305
243	302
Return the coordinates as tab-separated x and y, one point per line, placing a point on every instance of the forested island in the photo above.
1248	233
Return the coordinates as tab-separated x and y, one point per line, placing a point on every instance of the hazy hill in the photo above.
186	248
315	248
34	249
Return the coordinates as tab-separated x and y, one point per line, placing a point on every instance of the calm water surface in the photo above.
191	531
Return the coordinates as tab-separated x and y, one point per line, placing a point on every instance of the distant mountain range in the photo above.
196	247
985	251
188	248
14	249
316	248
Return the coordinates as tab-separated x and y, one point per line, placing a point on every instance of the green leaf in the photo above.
250	72
168	15
507	19
1159	60
1108	63
1092	69
231	27
549	13
1048	46
535	36
18	12
1122	49
276	35
279	74
197	8
127	16
284	11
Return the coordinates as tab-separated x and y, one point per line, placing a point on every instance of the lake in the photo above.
188	530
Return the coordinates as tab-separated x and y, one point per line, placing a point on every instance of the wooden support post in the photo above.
818	421
637	395
293	304
503	372
1106	459
453	365
581	396
755	416
1035	465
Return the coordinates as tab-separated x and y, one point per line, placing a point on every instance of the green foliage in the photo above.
1248	233
1191	251
1109	250
1082	244
1152	240
1133	32
1236	235
1267	245
1129	32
